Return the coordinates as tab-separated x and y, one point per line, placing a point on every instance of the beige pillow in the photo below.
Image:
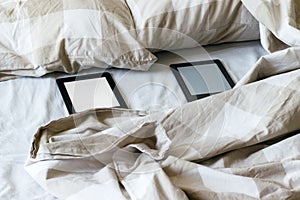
174	24
37	37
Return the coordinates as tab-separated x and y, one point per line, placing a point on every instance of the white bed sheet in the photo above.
28	103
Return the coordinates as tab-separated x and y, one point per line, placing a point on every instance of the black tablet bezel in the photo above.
188	95
61	85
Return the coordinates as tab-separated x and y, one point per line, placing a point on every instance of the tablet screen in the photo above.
204	79
84	92
92	93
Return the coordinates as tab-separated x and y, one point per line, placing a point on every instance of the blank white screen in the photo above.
204	79
90	94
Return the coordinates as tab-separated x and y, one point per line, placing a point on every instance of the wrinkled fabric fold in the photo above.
279	22
230	145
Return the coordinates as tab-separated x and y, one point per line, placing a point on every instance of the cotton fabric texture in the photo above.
279	22
175	24
66	35
228	146
69	35
241	144
28	103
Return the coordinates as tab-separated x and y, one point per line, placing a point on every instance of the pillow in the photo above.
174	24
38	37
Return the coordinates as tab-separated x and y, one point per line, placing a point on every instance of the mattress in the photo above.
28	103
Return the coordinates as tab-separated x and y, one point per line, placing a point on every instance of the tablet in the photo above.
91	91
201	79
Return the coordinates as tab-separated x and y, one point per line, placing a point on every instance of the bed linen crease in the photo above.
229	146
242	144
28	103
279	22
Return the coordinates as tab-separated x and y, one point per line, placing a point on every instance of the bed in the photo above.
241	144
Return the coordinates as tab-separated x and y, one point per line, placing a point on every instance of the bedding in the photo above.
279	22
229	146
63	35
28	103
174	24
242	144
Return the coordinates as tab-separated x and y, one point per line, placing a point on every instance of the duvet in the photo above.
241	144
